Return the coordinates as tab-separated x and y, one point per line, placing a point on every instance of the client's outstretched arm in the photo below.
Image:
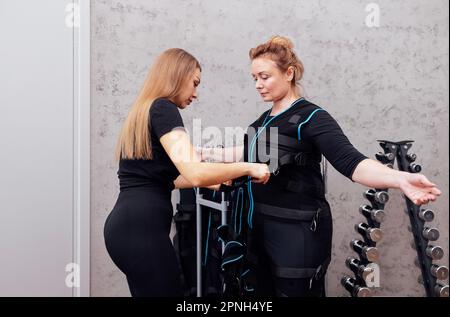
415	186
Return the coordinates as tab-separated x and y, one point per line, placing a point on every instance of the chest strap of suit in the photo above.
299	159
293	152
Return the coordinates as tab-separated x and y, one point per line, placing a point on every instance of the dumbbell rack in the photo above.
430	273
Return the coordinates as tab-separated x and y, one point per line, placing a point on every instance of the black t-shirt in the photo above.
323	135
159	171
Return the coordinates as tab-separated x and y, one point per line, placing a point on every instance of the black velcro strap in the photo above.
286	159
299	159
295	119
289	272
306	159
285	213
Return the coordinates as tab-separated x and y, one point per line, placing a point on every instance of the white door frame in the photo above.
81	106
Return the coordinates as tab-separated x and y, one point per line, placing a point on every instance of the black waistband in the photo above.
150	187
286	213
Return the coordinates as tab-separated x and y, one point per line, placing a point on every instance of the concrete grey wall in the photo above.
389	82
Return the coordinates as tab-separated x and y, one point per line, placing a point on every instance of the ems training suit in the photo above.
137	230
290	219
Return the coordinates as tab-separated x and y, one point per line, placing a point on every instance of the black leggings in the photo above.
280	243
137	239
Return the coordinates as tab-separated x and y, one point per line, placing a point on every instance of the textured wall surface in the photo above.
386	82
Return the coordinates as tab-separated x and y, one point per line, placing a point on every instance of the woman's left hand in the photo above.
418	188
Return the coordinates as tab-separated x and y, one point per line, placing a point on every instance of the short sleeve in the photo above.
325	133
164	117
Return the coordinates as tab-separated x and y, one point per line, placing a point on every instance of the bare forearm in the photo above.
415	186
182	182
374	174
226	155
181	152
206	174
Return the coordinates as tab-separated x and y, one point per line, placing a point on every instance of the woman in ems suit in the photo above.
289	218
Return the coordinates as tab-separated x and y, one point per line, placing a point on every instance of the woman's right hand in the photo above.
259	173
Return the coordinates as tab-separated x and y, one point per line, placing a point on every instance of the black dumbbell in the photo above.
369	253
385	157
441	290
374	234
356	267
431	234
414	168
376	215
439	271
380	197
434	252
426	215
411	157
355	290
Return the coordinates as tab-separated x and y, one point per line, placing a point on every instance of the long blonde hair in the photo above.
165	80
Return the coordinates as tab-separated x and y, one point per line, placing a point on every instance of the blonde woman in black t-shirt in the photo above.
155	156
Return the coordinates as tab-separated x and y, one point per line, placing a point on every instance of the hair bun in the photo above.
283	41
